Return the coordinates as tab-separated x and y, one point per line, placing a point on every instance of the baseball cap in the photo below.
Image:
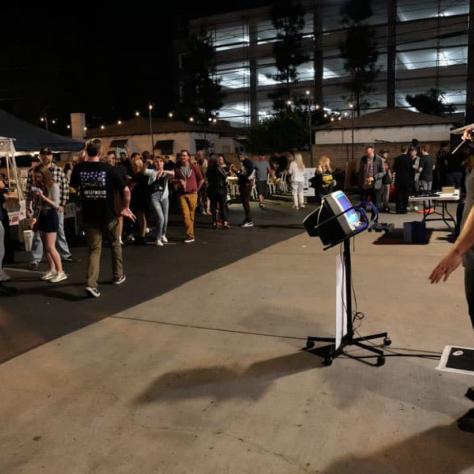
46	151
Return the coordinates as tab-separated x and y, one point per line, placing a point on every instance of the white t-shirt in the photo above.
296	173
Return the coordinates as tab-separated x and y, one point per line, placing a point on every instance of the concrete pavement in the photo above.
206	375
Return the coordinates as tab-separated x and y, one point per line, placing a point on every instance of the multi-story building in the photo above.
422	44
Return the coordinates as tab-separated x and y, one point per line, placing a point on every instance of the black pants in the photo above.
218	206
369	195
245	194
403	193
469	286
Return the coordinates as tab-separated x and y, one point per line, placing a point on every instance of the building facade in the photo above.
422	44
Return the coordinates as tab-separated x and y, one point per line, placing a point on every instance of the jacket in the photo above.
379	171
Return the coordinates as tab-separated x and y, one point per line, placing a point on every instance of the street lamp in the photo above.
45	121
150	123
310	125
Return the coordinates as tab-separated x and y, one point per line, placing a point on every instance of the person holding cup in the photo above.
47	196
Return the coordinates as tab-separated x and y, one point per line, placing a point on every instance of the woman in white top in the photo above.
46	193
158	183
296	172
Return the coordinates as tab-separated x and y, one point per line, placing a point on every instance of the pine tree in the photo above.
359	51
288	20
201	93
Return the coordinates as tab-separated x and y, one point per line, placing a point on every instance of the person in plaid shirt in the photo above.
46	158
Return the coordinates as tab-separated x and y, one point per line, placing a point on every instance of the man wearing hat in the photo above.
46	159
463	252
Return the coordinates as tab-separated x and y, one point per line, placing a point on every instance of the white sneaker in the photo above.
164	239
60	276
159	243
48	275
189	240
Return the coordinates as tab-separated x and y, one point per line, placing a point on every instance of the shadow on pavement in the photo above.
225	382
40	312
439	450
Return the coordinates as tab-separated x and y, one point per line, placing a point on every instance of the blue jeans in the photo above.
61	243
161	207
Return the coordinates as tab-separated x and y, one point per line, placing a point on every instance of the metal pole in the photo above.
150	121
310	126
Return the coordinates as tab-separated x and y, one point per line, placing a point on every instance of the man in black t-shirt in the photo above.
98	184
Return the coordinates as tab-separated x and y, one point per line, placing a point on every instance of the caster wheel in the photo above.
387	341
327	362
309	344
380	361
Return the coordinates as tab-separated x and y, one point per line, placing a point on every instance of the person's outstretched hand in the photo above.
126	212
446	267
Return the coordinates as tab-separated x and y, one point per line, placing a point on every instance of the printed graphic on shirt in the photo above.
93	184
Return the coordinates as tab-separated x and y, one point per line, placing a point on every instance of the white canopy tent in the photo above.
15	204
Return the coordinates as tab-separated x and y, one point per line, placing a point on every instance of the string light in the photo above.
42	119
191	119
85	129
170	115
137	114
150	107
317	106
53	122
209	119
308	92
119	122
68	126
102	127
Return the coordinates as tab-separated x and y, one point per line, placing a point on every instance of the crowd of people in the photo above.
127	199
414	171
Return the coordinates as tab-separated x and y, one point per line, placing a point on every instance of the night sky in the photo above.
105	60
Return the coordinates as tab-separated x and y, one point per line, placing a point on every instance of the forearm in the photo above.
51	202
126	196
465	241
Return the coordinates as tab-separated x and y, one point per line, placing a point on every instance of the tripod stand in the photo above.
349	339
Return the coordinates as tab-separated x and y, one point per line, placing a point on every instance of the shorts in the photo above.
48	221
261	188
